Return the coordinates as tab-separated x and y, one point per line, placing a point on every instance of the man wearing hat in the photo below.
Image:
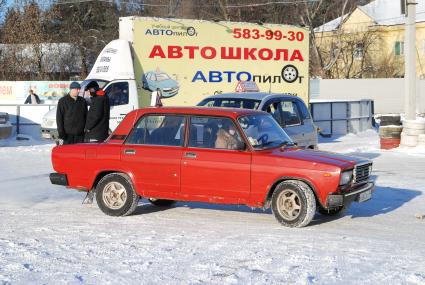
97	124
71	116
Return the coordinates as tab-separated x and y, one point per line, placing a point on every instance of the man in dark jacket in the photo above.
97	124
32	98
71	116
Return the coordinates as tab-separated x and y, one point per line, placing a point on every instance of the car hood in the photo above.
322	157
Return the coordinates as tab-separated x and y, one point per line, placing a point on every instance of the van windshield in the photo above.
230	103
263	131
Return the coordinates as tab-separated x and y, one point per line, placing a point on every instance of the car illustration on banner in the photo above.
158	79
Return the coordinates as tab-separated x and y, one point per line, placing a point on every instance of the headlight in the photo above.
370	169
346	177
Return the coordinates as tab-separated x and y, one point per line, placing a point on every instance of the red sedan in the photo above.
227	156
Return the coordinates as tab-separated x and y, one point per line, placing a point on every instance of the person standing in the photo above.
32	98
71	116
97	123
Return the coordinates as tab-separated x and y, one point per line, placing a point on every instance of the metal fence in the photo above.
340	117
22	116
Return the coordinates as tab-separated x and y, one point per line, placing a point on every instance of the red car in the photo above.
227	156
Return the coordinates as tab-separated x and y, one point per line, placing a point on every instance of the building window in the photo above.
399	48
358	51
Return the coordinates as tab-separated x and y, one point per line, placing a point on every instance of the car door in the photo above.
286	113
118	94
309	128
208	168
153	153
292	121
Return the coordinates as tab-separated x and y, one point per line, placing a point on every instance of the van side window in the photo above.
158	130
290	113
117	93
305	114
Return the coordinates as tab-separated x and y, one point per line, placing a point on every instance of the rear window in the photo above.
230	103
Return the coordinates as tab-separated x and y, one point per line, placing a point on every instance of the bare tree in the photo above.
353	56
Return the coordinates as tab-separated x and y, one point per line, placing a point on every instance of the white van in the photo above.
119	85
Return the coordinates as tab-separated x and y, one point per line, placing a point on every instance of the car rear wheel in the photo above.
115	195
293	204
161	202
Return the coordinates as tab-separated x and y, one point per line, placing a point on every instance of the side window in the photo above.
213	132
158	130
305	114
290	114
117	93
210	103
274	110
230	103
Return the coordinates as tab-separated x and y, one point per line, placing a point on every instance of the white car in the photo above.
289	111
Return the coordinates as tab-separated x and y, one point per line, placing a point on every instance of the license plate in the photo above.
365	196
46	135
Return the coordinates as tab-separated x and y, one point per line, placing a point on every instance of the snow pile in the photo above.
362	142
48	237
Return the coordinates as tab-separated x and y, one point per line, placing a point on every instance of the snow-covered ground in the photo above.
48	237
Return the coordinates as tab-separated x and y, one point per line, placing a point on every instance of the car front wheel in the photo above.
293	204
115	195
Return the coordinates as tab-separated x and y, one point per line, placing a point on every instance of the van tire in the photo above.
116	196
293	204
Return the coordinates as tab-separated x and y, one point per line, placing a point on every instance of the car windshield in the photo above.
231	103
162	76
263	131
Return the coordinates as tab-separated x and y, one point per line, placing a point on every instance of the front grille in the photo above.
362	173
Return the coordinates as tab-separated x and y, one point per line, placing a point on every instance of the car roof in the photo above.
251	95
214	111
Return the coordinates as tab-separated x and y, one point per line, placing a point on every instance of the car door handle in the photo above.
130	151
190	155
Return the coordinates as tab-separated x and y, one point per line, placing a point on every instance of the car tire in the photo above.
161	202
414	124
115	195
293	204
331	212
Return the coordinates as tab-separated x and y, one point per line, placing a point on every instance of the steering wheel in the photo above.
263	138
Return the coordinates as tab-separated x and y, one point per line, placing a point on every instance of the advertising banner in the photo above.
190	60
7	90
46	90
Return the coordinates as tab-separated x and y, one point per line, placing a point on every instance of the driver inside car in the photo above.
227	137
